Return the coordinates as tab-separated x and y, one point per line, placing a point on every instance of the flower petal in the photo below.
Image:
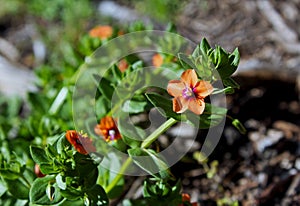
157	60
101	32
180	104
107	123
203	89
82	144
175	88
108	129
189	77
196	105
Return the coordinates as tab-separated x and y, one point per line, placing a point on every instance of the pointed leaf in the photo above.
96	196
186	61
44	192
165	104
204	46
106	88
17	188
237	124
39	155
231	83
149	162
212	116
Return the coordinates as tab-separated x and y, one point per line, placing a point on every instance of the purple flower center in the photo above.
112	134
188	93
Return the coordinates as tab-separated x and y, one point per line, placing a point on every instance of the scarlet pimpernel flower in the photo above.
123	65
157	60
81	142
189	92
108	129
186	200
102	32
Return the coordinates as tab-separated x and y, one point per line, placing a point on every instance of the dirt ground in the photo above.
261	167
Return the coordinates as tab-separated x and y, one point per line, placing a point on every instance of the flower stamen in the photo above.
187	93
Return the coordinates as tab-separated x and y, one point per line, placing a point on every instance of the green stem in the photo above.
147	142
152	137
119	175
115	108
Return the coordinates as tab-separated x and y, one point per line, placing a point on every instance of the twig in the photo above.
287	34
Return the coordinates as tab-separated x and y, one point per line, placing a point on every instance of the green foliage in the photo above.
161	192
162	11
150	161
44	191
69	175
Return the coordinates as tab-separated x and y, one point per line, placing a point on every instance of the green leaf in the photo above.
39	155
229	82
226	64
240	127
186	61
96	196
132	135
117	74
71	203
212	116
9	174
44	191
149	161
227	90
171	27
205	47
136	154
60	183
102	107
14	107
141	202
48	169
164	172
105	86
163	191
12	170
137	65
38	103
59	100
107	175
3	188
165	105
60	144
131	106
235	57
17	188
72	193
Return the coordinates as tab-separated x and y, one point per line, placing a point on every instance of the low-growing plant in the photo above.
54	155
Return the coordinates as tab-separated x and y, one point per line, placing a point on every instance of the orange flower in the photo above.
102	32
189	93
80	142
187	199
123	65
157	60
108	129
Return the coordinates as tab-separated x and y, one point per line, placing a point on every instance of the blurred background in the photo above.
33	32
260	168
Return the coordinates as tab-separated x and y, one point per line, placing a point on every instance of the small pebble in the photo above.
297	164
